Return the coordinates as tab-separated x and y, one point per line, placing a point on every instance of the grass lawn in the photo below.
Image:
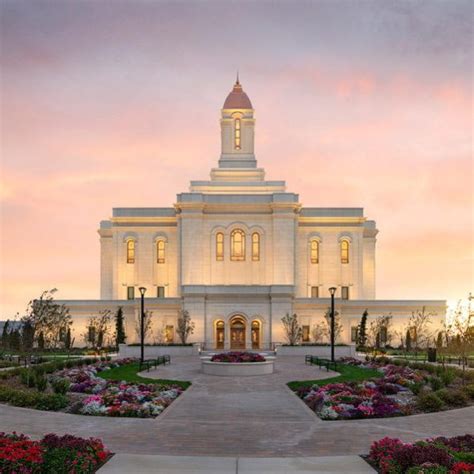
348	373
128	373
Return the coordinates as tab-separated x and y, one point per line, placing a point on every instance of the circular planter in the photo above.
239	369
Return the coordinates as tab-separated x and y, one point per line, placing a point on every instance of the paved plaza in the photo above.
238	417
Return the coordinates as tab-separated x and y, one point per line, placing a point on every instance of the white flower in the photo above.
328	413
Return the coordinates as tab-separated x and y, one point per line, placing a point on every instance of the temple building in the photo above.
238	253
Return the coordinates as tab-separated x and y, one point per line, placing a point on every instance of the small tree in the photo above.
68	340
40	341
408	341
147	325
379	331
293	330
48	317
317	333
337	325
418	324
15	339
439	341
98	329
185	326
362	332
461	330
27	336
5	331
120	336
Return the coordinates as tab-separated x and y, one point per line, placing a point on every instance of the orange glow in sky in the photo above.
358	104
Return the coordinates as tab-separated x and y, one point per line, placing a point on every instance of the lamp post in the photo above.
142	324
332	290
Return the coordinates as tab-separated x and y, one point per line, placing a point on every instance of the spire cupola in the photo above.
237	130
237	98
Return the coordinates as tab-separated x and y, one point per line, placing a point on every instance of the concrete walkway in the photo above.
146	464
238	417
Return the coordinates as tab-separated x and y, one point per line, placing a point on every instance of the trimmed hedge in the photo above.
29	399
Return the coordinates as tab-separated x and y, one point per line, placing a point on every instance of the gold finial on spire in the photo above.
237	81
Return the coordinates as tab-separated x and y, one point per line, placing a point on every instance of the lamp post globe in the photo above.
142	291
332	291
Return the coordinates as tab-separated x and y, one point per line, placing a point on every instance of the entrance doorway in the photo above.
237	333
255	335
220	328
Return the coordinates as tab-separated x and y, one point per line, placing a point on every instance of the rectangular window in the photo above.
315	292
160	251
220	247
345	292
354	333
169	334
314	251
305	337
237	134
130	251
160	291
130	292
255	247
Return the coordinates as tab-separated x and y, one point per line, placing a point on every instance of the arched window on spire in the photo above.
314	251
160	251
237	245
344	251
219	246
237	131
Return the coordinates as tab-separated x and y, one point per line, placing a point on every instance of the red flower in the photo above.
462	468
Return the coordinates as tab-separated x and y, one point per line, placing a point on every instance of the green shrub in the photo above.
417	387
464	456
448	375
41	382
429	401
435	382
27	377
38	370
52	402
60	385
453	397
24	398
469	390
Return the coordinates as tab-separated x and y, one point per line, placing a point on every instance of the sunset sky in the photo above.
358	103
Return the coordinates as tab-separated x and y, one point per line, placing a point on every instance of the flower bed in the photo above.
59	454
113	398
80	389
437	456
384	397
400	390
237	357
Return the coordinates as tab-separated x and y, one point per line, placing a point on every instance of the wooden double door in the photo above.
237	334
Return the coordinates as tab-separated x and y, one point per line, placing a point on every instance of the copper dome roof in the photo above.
237	98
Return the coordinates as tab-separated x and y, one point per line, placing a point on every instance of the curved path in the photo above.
241	416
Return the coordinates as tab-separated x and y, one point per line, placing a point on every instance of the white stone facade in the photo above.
259	284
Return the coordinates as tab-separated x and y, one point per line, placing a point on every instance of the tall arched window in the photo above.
160	251
314	251
219	246
344	251
255	246
130	251
237	245
237	134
